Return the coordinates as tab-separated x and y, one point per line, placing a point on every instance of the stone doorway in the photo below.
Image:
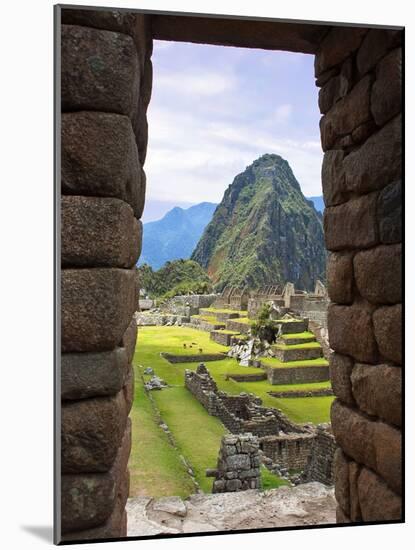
106	77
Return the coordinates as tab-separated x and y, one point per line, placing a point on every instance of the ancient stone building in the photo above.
286	444
105	77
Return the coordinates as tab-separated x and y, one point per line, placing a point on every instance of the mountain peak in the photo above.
264	231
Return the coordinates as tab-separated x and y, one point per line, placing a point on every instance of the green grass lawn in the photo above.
216	310
197	434
243	320
155	467
294	335
307	345
277	364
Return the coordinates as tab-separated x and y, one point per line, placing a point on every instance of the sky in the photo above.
215	109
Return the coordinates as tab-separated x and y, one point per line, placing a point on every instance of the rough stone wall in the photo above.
288	451
320	463
105	88
238	466
359	73
297	375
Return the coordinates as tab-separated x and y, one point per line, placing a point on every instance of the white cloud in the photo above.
192	161
283	113
207	126
197	83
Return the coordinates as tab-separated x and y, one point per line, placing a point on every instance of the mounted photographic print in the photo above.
229	296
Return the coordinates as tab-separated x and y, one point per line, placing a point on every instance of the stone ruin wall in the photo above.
288	452
287	444
105	85
359	75
238	467
320	462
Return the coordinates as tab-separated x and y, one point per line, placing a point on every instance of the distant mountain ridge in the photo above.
264	231
175	235
318	203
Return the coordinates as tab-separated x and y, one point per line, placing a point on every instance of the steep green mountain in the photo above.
174	278
264	231
175	235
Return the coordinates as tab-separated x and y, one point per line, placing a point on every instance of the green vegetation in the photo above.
188	421
271	481
277	364
298	335
240	247
155	467
214	310
264	328
307	345
173	279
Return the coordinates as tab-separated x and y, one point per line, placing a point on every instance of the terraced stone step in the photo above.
206	323
292	326
295	372
242	325
296	338
220	314
224	337
299	352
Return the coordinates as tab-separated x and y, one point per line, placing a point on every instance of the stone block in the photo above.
99	70
347	114
140	127
115	526
363	131
352	224
93	374
340	277
100	158
97	306
336	46
324	77
91	432
354	470
134	24
129	340
354	433
378	162
341	367
387	322
238	462
99	232
108	19
389	213
219	486
128	389
386	98
378	391
351	331
378	274
375	45
388	448
341	517
377	501
341	480
332	178
233	484
87	500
